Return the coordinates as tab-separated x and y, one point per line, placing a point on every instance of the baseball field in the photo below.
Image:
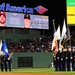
37	71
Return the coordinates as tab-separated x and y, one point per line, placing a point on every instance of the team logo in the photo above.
40	9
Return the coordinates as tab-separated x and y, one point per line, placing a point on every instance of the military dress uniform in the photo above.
54	62
10	63
64	60
10	60
2	62
58	66
5	62
73	59
60	60
68	52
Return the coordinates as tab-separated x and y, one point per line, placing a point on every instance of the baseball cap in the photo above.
26	16
2	13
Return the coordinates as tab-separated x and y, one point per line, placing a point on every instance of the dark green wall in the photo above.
16	37
40	59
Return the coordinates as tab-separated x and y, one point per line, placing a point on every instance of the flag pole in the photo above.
53	21
70	39
54	26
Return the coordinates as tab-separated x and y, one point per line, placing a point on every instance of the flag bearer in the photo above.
73	59
2	62
64	59
58	67
10	60
54	61
6	62
68	55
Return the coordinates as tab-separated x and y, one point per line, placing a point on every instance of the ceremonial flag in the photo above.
0	44
64	29
5	49
55	39
1	52
67	36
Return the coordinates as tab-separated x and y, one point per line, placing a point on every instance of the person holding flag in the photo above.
10	59
65	36
4	58
55	48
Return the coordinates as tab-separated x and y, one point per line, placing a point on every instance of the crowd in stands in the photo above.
36	45
32	45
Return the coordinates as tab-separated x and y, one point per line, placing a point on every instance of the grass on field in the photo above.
40	70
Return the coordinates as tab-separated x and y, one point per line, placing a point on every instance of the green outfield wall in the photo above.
30	59
16	38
